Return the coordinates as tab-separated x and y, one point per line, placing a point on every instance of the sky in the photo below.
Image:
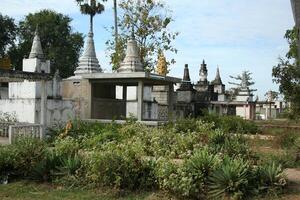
235	35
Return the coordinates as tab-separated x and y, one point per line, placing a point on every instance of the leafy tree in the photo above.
150	20
60	44
7	34
287	74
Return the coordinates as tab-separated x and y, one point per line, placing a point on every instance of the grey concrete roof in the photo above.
19	76
133	76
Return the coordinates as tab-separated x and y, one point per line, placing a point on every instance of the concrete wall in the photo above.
28	110
79	91
246	111
28	90
185	96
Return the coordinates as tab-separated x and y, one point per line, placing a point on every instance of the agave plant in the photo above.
230	181
270	177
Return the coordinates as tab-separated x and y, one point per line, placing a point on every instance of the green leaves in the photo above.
60	44
287	74
151	20
8	31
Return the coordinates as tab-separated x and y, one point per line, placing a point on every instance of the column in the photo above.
43	107
124	98
171	101
140	96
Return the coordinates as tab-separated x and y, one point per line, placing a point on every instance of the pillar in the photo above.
43	107
140	98
171	101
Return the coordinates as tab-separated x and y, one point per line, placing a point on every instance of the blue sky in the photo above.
235	35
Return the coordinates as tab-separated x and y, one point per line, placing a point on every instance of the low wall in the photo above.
28	110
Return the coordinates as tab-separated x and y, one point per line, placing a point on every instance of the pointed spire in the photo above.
162	66
132	61
88	62
218	80
186	84
203	73
36	49
186	75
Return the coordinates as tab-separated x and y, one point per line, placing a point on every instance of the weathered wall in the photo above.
28	110
79	91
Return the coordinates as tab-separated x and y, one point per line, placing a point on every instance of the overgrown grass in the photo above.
189	158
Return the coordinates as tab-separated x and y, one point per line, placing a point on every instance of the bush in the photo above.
230	180
270	178
231	124
7	161
121	166
29	152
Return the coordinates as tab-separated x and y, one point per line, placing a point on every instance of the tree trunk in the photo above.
116	24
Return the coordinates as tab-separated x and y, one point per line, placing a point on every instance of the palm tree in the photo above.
90	7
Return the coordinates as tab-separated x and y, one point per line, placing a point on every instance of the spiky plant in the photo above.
270	178
230	181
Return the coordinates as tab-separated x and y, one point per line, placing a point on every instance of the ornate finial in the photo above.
36	49
203	62
218	80
162	65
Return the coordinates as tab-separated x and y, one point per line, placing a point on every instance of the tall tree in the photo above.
150	20
287	74
60	44
7	34
91	8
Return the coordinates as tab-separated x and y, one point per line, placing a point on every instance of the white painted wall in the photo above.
28	110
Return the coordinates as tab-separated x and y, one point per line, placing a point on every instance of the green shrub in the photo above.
7	161
188	179
231	124
269	178
29	151
66	146
230	180
121	166
45	169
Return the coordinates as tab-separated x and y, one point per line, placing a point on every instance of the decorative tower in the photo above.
217	84
88	62
202	85
132	61
36	61
203	73
186	84
36	48
162	65
218	80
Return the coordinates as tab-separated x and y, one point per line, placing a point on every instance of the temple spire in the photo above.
36	49
132	61
88	62
218	80
203	73
186	84
186	74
